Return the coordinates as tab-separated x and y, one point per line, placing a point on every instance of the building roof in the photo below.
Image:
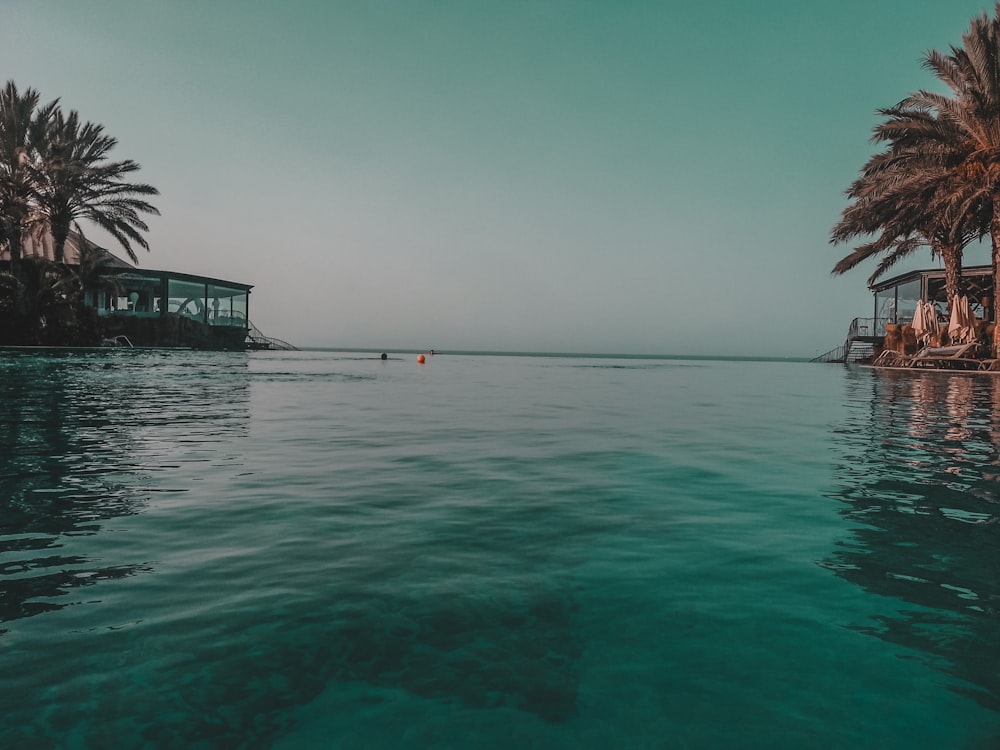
930	272
43	246
152	273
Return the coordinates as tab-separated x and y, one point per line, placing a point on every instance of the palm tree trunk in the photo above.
995	236
952	255
59	235
12	231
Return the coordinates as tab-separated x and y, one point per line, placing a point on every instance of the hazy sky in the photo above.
643	177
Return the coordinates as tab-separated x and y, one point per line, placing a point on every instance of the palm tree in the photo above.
957	138
901	206
38	305
17	118
958	134
55	172
74	180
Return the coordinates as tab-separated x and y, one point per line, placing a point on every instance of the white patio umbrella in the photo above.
970	319
955	328
962	326
920	322
930	320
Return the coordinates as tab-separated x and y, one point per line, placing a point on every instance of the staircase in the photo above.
256	341
852	352
860	351
862	336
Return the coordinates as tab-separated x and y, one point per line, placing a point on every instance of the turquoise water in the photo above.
317	549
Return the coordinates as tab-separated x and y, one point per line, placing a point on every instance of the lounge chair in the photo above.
956	357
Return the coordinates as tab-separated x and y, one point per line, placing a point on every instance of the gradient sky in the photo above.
626	177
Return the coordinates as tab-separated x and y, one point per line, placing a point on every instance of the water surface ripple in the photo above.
321	549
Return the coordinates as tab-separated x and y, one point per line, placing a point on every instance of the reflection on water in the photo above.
78	437
274	547
282	606
918	481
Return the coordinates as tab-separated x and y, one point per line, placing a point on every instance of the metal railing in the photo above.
257	340
867	327
854	350
121	340
834	355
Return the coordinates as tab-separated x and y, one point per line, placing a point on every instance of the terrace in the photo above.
896	302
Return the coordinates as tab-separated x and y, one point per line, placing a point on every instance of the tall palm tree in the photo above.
17	118
956	136
54	172
905	207
74	180
957	133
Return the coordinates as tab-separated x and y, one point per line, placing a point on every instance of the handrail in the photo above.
120	340
867	327
860	328
834	355
257	340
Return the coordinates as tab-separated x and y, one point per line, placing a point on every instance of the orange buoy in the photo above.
421	359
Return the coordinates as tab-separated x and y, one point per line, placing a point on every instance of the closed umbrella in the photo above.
970	319
955	322
920	322
962	325
930	320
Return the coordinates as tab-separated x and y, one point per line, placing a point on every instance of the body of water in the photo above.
323	549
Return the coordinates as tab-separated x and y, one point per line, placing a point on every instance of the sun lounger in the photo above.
957	351
957	357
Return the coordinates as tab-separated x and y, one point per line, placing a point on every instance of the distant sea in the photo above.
326	550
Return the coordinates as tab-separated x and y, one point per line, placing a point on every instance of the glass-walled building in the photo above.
149	307
896	298
191	310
